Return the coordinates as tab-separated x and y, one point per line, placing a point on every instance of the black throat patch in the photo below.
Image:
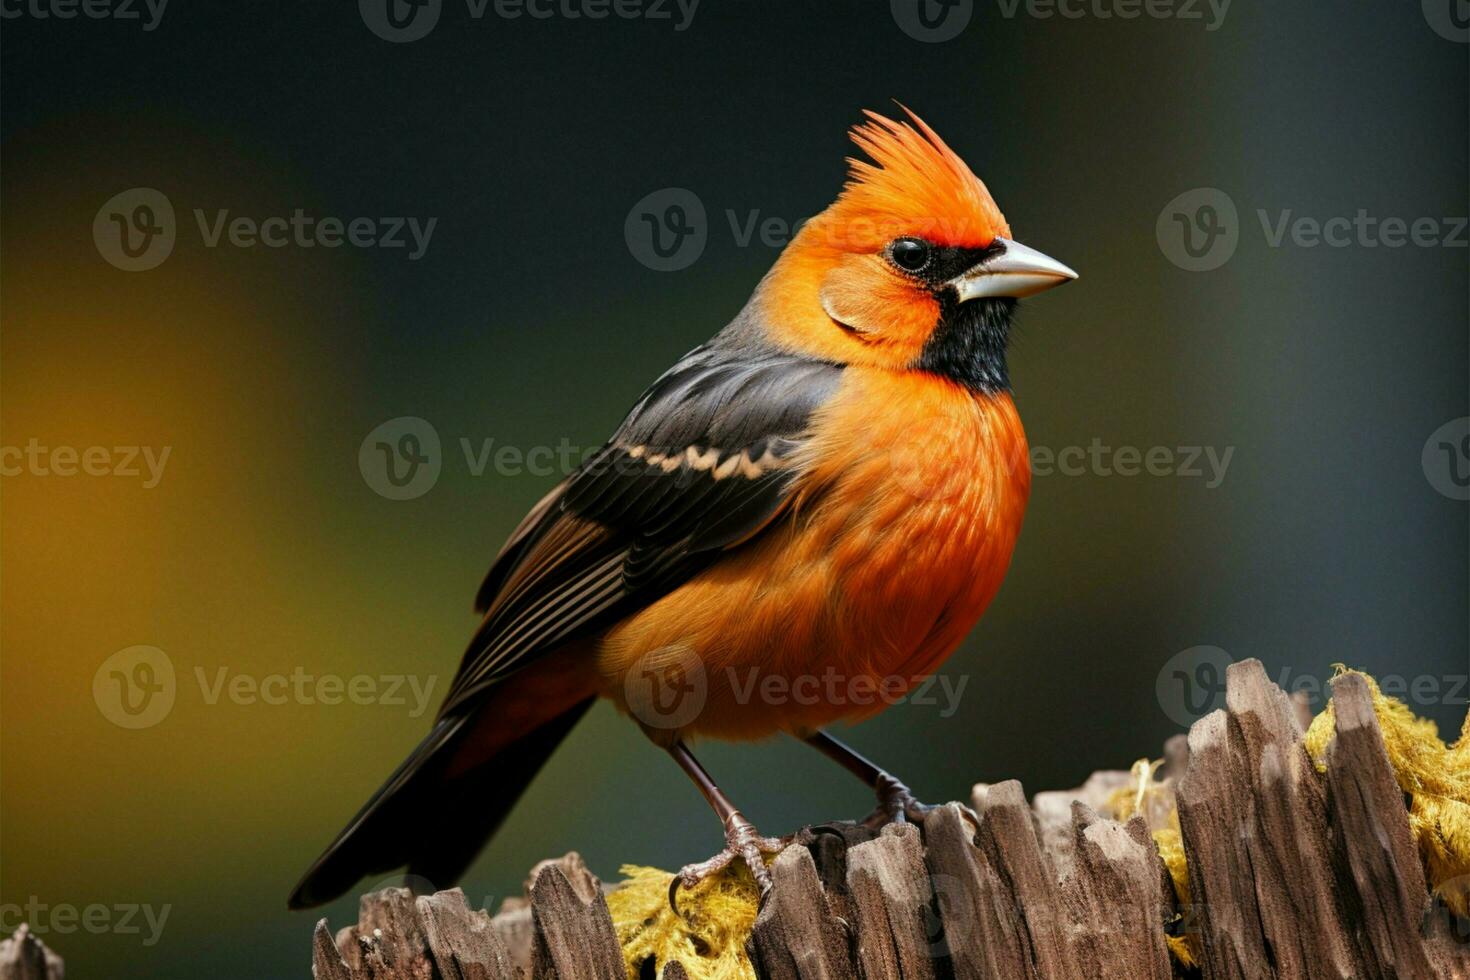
968	345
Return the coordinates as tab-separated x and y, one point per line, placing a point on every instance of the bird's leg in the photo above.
896	803
741	838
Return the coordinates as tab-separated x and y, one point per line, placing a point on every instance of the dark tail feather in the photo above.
475	805
431	822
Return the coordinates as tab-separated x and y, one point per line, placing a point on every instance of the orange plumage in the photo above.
895	544
827	491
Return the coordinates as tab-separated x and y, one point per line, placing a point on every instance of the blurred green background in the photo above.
263	550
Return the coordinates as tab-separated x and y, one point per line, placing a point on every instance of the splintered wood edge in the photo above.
25	957
574	935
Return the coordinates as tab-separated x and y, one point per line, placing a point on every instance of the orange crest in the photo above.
915	185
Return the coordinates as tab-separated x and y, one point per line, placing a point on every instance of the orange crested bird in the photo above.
827	493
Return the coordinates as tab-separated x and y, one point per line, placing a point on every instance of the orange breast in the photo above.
898	538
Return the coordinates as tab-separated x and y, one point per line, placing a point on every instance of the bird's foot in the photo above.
897	804
742	841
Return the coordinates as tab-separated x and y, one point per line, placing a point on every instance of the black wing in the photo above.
705	460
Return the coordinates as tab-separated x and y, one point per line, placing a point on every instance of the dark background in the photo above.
264	550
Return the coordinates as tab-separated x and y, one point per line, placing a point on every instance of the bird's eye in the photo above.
910	254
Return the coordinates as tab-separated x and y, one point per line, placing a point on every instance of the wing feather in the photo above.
706	459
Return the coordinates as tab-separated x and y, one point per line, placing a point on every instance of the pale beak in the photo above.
1015	272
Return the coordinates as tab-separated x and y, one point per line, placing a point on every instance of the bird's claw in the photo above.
897	804
741	841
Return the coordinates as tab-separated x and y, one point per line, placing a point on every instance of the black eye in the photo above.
910	254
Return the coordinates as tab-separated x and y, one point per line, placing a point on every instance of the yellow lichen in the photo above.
708	942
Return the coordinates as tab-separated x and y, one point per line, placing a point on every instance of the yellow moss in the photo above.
1180	948
1154	798
1434	775
709	943
1170	842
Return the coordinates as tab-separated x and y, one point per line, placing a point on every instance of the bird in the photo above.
828	492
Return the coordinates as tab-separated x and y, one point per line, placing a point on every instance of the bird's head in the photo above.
912	268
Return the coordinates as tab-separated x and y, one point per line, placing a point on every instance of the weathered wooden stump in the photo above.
1293	872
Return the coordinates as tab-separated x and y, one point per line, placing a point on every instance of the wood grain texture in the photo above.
796	934
894	923
24	957
574	937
